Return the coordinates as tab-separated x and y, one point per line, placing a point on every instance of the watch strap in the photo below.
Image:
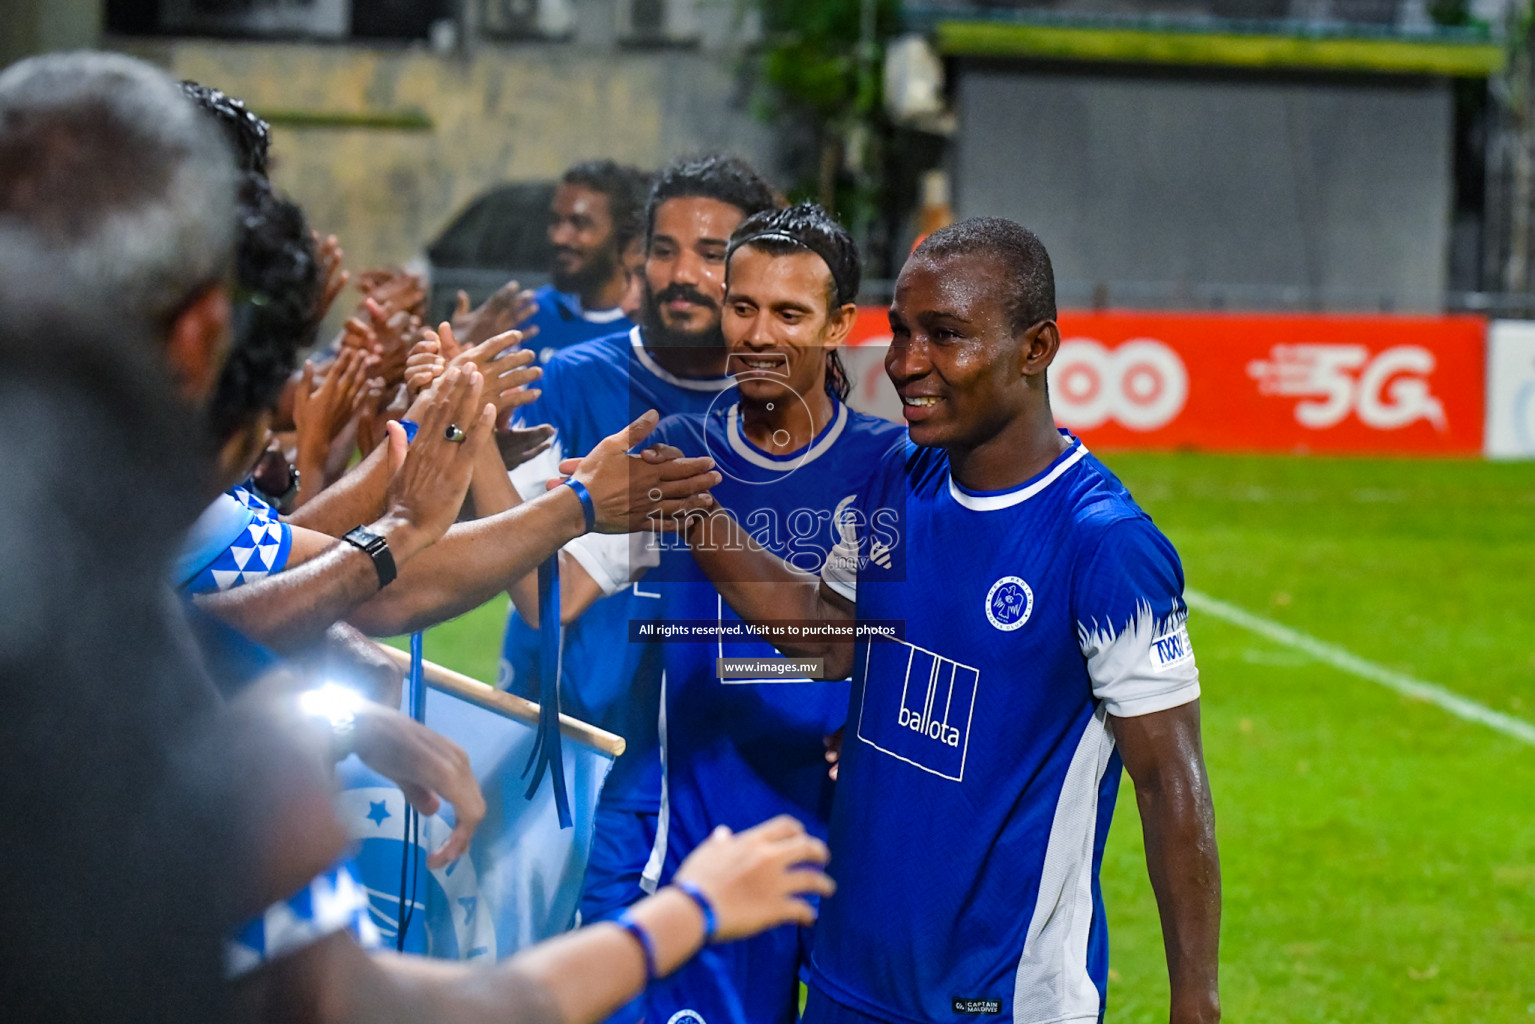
376	548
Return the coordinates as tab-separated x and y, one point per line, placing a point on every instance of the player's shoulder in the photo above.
687	430
1106	521
875	432
610	351
588	364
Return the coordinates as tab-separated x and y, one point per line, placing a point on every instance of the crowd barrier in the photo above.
1360	385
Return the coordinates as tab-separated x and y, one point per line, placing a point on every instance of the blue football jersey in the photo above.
740	751
561	322
590	391
978	770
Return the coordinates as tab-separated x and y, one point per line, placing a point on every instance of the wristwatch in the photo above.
376	548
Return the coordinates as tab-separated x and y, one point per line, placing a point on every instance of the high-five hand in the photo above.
632	493
430	478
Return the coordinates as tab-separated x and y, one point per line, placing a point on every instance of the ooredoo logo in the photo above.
1141	384
1387	391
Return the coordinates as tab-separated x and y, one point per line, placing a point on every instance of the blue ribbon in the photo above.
410	828
546	747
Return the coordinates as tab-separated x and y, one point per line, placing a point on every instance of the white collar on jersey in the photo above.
691	383
572	304
1007	499
602	316
757	457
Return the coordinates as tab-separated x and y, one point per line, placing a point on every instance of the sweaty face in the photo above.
685	270
581	231
953	356
776	323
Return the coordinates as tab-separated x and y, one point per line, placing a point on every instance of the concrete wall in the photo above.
37	26
1328	193
510	113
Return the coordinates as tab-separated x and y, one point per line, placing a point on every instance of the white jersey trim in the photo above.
602	316
1052	982
690	383
744	448
993	502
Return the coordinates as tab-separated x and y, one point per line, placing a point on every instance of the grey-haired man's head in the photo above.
105	163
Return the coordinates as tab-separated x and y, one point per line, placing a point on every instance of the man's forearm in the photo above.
762	588
291	610
1162	752
358	497
1185	874
472	563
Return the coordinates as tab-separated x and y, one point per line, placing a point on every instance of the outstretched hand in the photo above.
428	768
651	491
321	413
507	367
329	255
429	478
508	307
758	879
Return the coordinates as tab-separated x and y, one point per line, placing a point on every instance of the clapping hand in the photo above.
430	476
508	307
656	490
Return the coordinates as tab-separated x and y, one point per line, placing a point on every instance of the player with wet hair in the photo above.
1044	645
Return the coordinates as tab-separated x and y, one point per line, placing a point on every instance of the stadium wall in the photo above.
1345	385
383	145
1270	191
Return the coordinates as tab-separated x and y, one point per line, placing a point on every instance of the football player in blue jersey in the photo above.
673	362
794	459
595	217
1038	643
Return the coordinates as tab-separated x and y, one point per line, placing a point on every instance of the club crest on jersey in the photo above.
686	1017
1009	603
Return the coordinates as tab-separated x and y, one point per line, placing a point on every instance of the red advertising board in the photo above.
1237	382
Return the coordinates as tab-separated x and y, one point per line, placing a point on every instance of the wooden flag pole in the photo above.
510	705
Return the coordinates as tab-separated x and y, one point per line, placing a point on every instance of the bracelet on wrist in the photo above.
711	920
647	946
588	507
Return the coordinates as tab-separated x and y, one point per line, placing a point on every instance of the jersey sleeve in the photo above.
530	477
1132	621
614	560
840	572
244	540
855	540
333	901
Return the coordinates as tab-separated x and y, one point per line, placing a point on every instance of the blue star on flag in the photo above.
378	810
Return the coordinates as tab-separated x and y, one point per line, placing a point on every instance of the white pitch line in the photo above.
1346	661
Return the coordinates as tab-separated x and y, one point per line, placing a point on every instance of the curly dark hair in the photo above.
277	287
726	178
806	227
249	137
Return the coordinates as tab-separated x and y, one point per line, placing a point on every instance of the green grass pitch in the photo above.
1378	853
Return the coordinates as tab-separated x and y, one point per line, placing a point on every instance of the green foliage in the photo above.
823	72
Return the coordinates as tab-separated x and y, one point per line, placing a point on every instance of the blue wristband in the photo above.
711	921
588	510
641	936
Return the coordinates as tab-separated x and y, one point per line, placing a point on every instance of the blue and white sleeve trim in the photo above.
334	901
